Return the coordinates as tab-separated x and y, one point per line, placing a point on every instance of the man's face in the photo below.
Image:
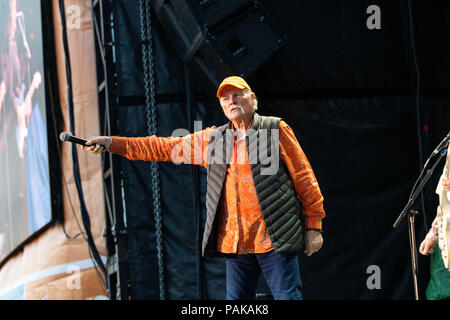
236	103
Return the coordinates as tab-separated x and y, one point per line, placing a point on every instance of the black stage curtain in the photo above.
349	95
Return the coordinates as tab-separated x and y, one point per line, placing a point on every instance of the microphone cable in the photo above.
416	85
76	171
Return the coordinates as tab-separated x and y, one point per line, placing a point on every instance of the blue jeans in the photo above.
281	272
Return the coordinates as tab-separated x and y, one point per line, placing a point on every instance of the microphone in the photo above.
65	136
442	145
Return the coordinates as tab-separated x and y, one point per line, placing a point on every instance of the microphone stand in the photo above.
411	214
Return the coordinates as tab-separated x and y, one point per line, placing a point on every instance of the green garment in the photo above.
439	285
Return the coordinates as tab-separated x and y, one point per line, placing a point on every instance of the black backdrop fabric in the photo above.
348	93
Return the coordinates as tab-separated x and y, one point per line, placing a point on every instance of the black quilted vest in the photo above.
277	198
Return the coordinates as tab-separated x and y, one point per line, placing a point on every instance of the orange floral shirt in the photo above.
241	225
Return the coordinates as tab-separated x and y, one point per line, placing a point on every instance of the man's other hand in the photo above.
313	241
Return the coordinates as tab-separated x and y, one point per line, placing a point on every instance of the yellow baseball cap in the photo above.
234	81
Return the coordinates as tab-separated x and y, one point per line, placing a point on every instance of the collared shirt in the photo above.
241	225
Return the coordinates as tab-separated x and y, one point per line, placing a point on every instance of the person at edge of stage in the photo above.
439	285
253	218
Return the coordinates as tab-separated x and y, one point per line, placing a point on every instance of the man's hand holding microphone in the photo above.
95	144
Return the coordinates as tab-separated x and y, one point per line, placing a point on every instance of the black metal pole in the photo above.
412	244
190	103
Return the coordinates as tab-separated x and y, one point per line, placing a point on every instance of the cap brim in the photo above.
239	86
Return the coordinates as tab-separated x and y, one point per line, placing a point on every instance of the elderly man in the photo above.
253	214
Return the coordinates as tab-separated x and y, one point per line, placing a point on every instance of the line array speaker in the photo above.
221	38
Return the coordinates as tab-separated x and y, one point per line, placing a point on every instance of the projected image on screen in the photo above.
24	172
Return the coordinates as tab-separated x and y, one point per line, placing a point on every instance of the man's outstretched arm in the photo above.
189	149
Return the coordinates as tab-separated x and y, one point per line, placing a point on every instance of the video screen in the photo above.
25	204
